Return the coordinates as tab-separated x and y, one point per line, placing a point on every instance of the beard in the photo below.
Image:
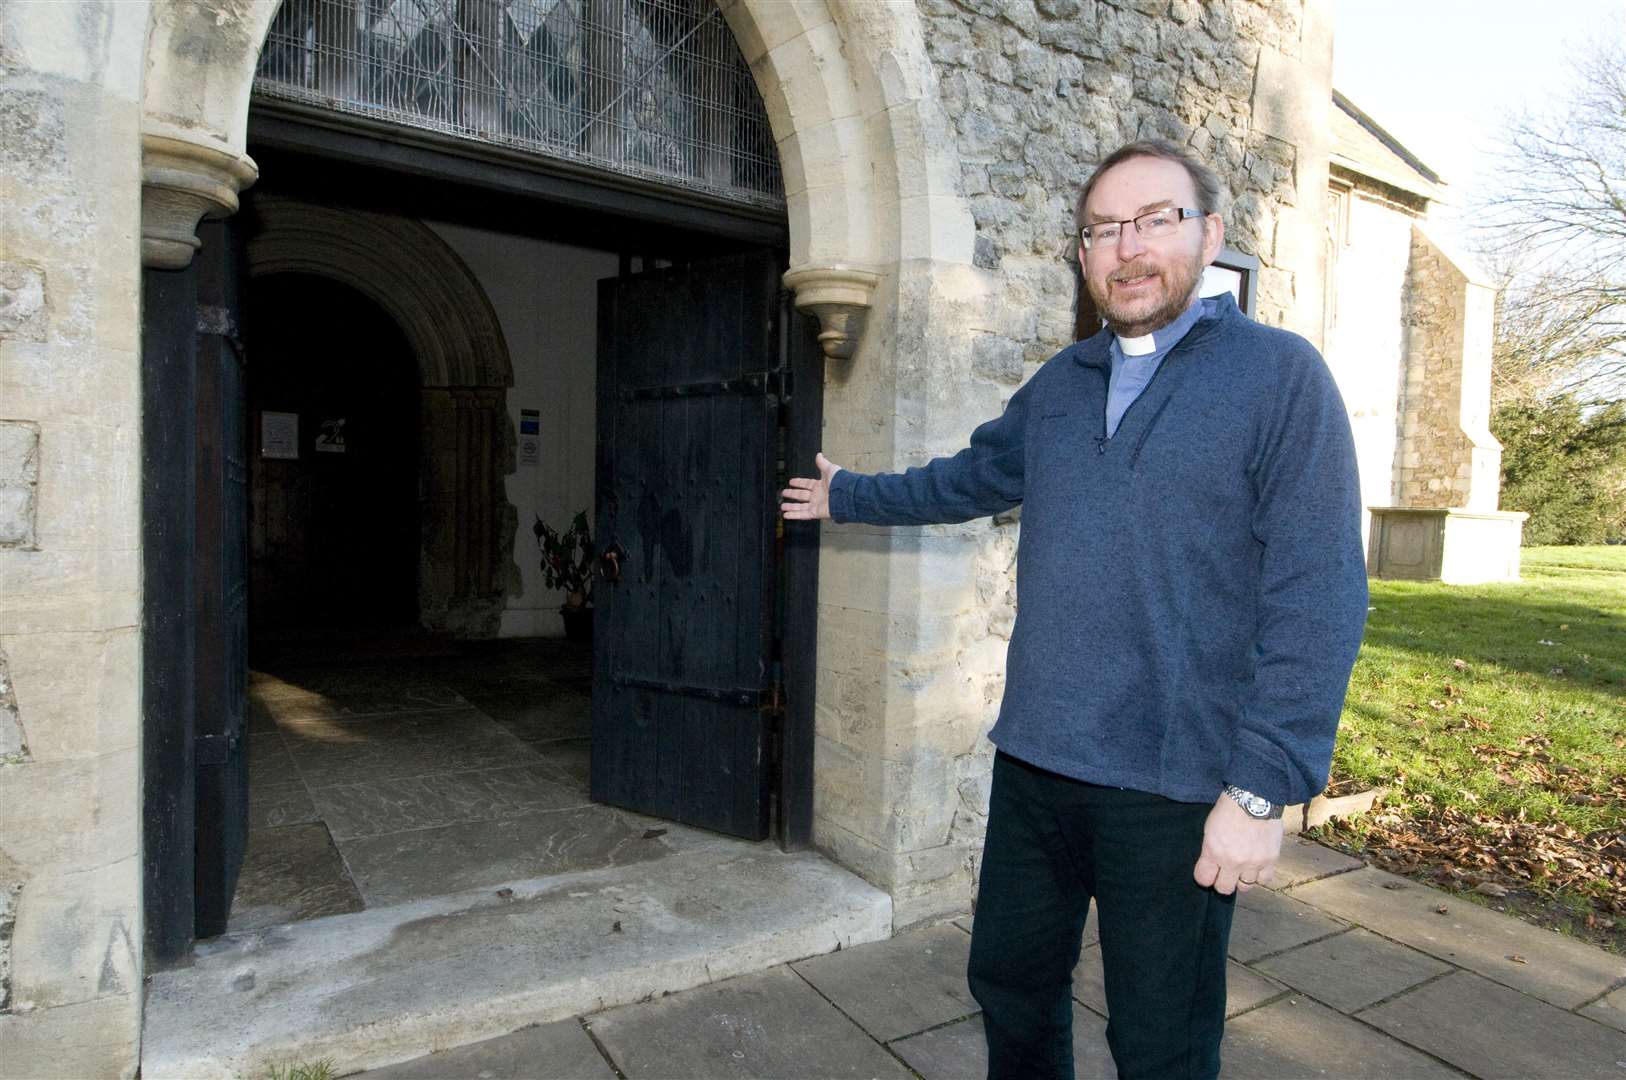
1142	315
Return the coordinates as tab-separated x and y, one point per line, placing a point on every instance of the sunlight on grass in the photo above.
1505	702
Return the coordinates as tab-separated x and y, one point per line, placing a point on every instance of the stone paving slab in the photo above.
557	1051
1554	968
269	762
1610	1009
396	746
1296	1038
385	985
772	1024
1305	860
898	987
379	807
1267	922
1244	989
534	717
1500	1034
398	868
958	1051
343	696
272	806
1353	970
289	873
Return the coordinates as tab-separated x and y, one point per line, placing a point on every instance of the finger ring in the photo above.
1245	881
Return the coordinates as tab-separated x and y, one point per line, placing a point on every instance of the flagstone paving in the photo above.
1497	1033
1353	970
1336	971
1557	969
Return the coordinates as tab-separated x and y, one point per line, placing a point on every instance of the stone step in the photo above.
387	985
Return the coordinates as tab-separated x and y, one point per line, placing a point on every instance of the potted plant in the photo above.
567	563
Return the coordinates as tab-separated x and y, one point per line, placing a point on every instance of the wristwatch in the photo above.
1255	806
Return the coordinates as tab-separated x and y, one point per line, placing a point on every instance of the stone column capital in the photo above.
841	297
181	183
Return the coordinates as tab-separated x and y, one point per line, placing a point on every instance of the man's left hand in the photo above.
1238	851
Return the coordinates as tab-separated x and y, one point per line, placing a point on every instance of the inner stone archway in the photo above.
465	437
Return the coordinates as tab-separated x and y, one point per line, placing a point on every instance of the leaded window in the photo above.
654	89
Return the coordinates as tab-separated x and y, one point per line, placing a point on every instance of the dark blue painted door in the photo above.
688	426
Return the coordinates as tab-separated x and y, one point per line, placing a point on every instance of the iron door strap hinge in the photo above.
214	749
727	696
755	384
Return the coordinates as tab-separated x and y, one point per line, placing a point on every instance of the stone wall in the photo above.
1038	90
914	622
1447	457
70	809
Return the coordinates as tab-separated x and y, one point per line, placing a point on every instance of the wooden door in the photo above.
194	654
221	574
685	714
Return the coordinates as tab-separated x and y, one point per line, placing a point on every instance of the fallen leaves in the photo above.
1494	856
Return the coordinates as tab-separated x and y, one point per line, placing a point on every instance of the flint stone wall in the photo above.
1032	93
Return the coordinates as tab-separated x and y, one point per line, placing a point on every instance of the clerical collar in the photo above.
1164	338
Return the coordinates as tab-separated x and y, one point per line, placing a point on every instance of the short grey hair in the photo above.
1210	192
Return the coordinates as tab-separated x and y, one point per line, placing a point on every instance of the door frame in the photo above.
505	195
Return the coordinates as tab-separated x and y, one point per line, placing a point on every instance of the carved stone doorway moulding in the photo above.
466	439
867	159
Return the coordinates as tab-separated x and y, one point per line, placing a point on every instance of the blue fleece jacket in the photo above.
1191	590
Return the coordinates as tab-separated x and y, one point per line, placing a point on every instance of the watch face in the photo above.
1253	805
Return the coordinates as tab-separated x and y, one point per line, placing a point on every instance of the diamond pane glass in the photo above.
655	89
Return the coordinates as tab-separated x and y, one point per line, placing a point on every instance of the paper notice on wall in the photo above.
530	437
279	435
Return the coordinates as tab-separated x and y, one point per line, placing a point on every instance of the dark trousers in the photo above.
1053	844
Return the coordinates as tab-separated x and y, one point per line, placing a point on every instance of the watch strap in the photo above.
1255	806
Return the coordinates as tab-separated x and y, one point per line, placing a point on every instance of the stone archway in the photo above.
467	440
866	153
881	244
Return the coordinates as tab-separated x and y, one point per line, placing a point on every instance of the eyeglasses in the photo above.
1151	225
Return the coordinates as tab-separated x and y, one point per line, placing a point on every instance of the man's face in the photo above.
1140	285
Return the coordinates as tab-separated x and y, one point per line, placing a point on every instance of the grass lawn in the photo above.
1496	717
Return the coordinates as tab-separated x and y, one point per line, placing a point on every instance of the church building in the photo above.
314	312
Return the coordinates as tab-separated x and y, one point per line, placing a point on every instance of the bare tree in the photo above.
1555	236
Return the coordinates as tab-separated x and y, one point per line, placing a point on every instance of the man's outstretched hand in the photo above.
809	500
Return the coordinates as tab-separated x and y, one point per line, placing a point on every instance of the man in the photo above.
1191	593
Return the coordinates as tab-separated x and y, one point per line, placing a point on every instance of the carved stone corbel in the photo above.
841	297
181	183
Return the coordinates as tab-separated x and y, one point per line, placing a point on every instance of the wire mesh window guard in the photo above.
654	89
